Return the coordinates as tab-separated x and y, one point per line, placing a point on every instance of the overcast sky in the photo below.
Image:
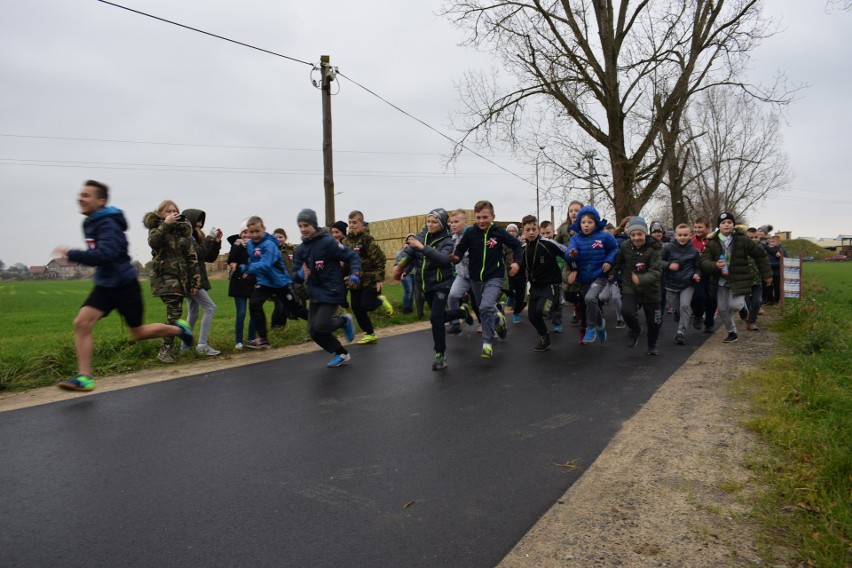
157	112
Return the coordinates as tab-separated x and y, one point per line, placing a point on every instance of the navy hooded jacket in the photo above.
107	248
323	255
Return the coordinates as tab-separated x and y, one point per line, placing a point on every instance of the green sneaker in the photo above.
500	327
468	314
185	332
487	351
440	362
368	339
78	383
387	306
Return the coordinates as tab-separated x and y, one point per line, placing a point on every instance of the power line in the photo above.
435	130
205	33
223	146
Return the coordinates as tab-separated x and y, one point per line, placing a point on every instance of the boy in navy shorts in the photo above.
116	287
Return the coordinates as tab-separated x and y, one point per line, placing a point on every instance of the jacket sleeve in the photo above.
440	255
665	256
110	244
573	244
619	262
211	248
377	256
611	247
462	245
654	273
708	261
349	256
760	258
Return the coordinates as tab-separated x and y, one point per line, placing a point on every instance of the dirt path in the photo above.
669	490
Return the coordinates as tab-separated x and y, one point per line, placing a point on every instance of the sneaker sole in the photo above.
71	387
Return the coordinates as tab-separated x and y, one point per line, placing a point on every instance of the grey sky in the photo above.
82	69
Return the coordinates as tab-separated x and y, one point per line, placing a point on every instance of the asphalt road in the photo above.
382	462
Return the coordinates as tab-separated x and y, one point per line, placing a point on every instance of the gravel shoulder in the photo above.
671	489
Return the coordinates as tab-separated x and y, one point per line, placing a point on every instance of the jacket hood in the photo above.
321	232
194	216
151	221
588	210
109	211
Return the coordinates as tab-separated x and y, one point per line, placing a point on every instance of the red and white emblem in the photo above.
597	245
492	242
319	265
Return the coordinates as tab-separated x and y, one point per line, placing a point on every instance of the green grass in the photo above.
802	403
37	347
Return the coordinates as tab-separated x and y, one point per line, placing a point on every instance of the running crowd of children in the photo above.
463	272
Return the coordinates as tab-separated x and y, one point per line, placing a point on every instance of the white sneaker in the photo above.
238	346
206	350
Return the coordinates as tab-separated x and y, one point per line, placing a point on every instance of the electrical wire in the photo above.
435	130
204	32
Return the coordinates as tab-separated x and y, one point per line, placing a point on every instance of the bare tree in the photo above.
732	152
613	72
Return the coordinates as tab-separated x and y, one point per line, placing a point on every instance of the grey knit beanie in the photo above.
637	223
308	216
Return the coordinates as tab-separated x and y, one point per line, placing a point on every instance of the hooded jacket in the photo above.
485	251
541	262
372	258
646	264
265	263
739	274
323	255
207	249
593	250
687	259
239	287
107	248
434	268
174	267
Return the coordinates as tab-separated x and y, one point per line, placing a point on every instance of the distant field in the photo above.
37	345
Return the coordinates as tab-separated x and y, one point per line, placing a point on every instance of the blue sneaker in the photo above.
338	360
78	383
591	335
185	332
348	330
516	318
602	332
557	328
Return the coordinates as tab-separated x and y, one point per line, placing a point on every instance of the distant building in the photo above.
64	269
39	273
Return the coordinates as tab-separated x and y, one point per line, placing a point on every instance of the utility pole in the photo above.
537	200
591	157
328	166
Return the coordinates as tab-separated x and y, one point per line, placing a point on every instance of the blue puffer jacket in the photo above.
107	248
687	259
323	255
593	250
266	264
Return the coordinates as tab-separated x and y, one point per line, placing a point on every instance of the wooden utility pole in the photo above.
328	167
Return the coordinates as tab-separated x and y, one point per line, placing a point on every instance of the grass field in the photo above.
37	347
802	401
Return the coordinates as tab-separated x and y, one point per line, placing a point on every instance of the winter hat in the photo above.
637	223
512	226
441	215
308	216
657	227
765	228
726	216
340	226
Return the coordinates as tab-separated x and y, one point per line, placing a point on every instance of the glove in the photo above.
354	279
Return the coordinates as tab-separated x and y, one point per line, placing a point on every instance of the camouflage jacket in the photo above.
174	268
371	255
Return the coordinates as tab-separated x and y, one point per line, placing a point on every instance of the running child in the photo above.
116	287
680	264
541	264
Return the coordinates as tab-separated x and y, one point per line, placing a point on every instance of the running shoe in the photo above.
590	336
440	362
500	326
185	332
339	359
386	305
78	383
368	339
348	327
258	343
543	343
487	351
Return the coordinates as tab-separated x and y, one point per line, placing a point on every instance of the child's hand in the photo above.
697	278
573	252
306	271
635	278
720	264
674	267
397	272
572	276
606	267
514	268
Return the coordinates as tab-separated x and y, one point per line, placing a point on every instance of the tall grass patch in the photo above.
803	409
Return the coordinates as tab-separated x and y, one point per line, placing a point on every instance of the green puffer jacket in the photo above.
207	250
740	276
174	268
372	258
646	263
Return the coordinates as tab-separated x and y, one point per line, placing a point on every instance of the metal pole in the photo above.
327	162
591	157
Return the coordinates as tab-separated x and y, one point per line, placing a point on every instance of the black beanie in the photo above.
308	216
725	216
341	226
